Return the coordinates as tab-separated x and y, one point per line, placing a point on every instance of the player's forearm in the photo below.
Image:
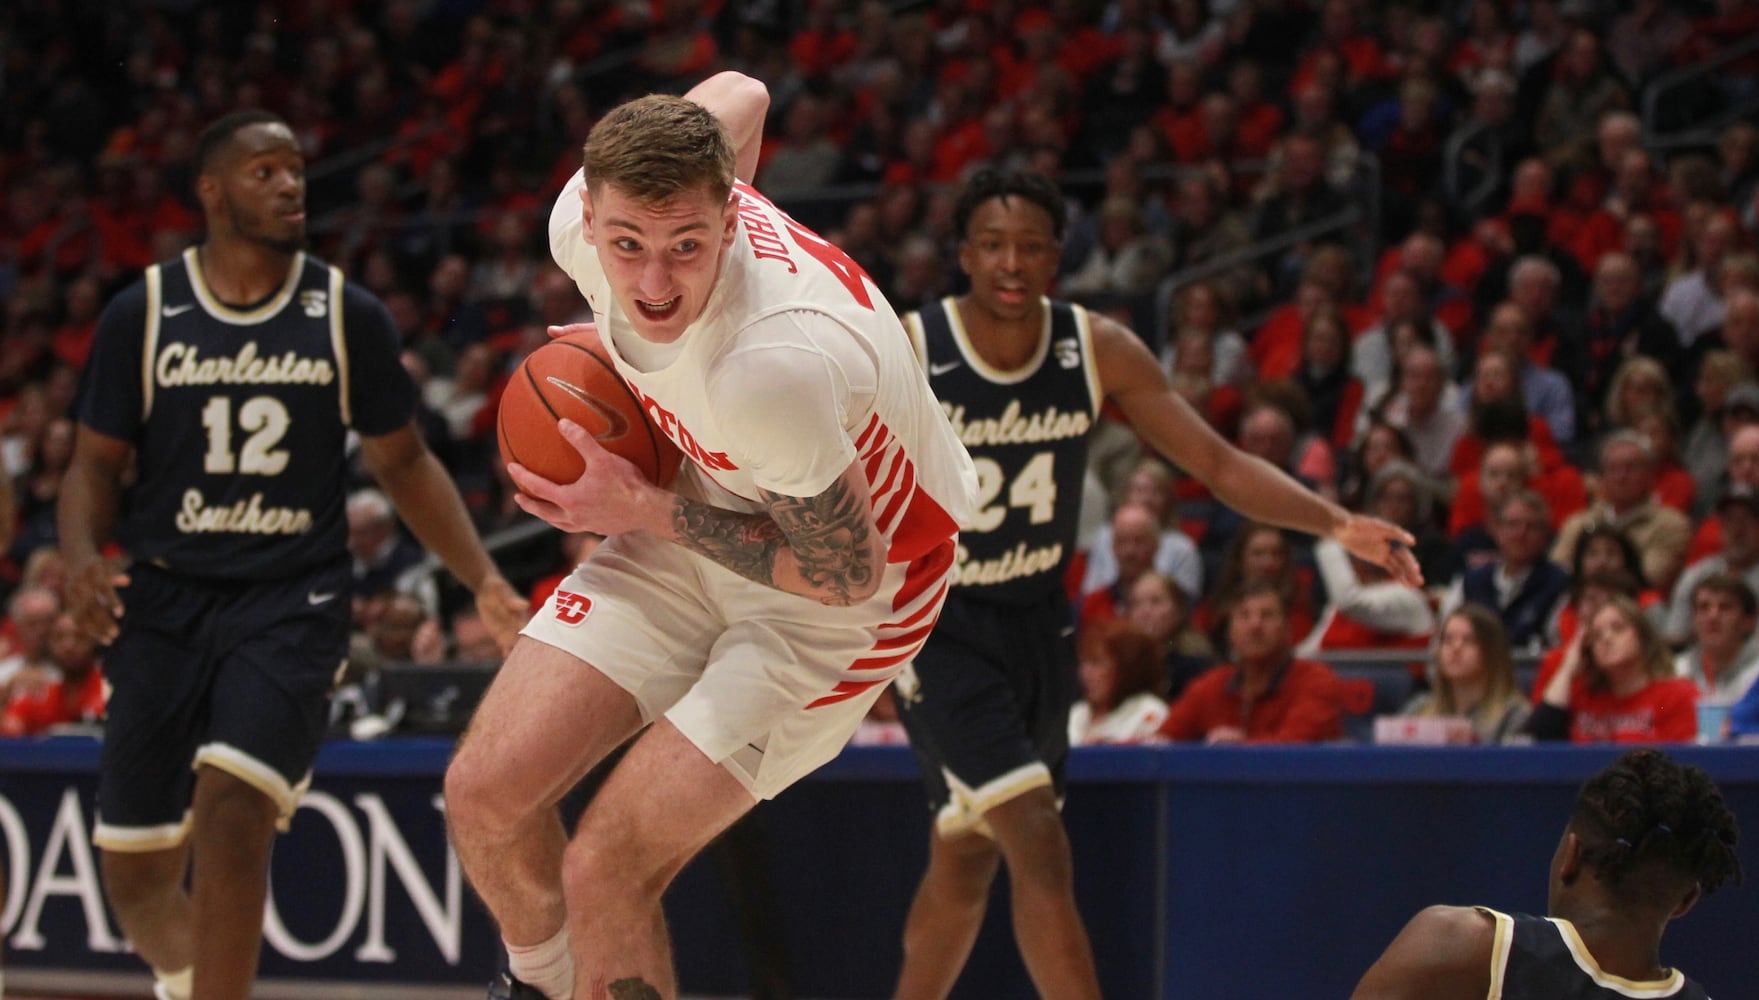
835	567
85	515
428	501
1263	492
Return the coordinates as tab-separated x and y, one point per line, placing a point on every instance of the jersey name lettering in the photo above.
1018	562
668	424
1050	424
182	364
248	517
765	242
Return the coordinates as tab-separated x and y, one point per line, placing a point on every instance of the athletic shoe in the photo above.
505	987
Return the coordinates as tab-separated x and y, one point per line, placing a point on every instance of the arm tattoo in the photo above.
827	534
744	543
633	988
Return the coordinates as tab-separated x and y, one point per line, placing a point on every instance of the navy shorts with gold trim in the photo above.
986	704
230	674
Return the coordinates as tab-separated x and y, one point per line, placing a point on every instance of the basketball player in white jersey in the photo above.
752	611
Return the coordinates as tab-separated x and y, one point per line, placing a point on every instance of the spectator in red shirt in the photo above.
1265	695
1617	685
77	697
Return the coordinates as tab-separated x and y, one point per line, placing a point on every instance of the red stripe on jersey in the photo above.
882	662
898	462
915	638
845	691
888	517
873	424
928	568
920	613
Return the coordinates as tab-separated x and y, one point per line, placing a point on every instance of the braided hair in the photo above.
1652	828
989	183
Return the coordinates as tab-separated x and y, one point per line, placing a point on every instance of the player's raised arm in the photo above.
1134	380
741	103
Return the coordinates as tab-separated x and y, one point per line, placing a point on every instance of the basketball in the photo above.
573	377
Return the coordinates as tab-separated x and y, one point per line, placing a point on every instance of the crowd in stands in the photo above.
1492	307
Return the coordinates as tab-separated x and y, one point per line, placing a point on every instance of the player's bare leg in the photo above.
1041	875
544	722
234	830
145	890
659	808
946	914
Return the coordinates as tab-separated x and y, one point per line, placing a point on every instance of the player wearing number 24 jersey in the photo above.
229	379
986	702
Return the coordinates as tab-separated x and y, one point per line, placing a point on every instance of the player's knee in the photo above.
475	803
601	867
133	881
229	803
971	859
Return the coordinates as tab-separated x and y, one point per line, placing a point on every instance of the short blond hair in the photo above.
657	147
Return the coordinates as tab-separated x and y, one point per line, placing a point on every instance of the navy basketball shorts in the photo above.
233	675
986	704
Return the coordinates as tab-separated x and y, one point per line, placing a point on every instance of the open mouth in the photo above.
659	310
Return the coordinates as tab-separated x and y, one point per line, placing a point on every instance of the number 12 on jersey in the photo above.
264	418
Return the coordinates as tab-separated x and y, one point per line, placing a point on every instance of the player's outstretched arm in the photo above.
1444	953
1133	378
741	103
427	499
91	493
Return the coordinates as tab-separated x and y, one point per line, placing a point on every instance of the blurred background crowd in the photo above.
1483	267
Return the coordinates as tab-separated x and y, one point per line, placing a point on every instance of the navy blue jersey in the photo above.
1027	431
239	416
1542	958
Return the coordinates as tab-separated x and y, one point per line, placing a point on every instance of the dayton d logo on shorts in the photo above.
572	608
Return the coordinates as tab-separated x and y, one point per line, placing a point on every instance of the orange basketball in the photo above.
573	377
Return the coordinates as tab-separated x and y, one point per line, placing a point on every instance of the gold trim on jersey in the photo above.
337	345
1618	984
150	338
1500	945
226	314
918	337
1090	366
988	371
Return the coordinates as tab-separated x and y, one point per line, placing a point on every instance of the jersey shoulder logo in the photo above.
315	303
1068	352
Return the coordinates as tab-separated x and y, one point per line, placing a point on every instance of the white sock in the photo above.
546	967
174	985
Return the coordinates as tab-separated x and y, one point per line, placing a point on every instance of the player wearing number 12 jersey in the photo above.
229	378
749	613
986	702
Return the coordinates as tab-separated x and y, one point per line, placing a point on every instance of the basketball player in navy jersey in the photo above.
231	376
1647	838
987	700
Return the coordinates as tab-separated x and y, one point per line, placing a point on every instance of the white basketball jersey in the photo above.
790	311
